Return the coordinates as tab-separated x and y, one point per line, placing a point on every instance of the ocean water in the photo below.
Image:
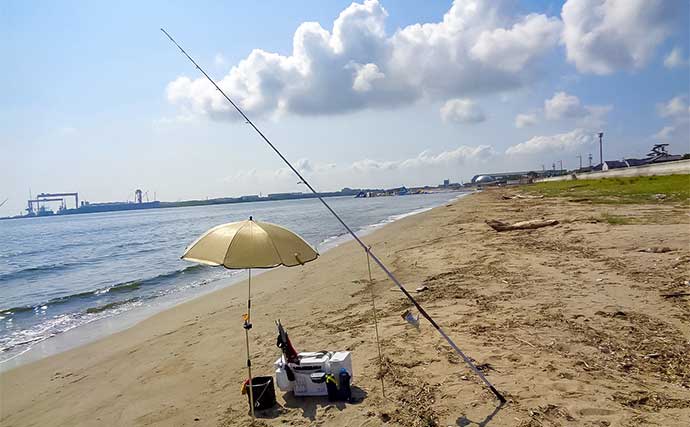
65	273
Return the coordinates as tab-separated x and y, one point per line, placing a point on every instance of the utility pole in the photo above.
560	165
601	150
579	156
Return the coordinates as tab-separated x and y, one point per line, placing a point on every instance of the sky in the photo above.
368	94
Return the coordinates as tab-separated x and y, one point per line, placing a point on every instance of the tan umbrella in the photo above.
246	245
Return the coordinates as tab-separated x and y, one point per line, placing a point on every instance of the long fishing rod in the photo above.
349	230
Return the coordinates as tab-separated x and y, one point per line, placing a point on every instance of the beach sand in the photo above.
569	322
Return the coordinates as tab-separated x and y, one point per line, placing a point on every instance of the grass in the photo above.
615	219
641	189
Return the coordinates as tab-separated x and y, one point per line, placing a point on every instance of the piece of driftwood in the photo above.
676	294
522	225
521	196
656	250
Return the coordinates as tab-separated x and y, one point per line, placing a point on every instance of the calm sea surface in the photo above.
59	274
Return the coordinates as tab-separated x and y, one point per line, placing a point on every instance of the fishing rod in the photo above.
349	230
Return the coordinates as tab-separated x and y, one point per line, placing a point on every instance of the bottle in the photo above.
344	389
332	388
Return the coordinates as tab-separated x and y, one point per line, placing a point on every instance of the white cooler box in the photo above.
310	363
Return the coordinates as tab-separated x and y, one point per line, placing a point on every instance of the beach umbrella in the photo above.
246	245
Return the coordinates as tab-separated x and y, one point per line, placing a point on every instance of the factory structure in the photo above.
69	204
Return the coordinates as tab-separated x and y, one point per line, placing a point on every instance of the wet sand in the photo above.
574	323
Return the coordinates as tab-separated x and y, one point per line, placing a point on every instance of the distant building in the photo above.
613	164
657	155
446	182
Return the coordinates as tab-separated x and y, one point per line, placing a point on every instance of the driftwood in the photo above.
656	250
522	225
521	196
676	294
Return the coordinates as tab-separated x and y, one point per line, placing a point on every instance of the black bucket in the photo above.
264	393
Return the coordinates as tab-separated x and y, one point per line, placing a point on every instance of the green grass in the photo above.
641	189
615	219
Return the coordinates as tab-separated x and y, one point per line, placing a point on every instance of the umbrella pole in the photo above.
247	326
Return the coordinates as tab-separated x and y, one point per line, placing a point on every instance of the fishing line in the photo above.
376	323
349	230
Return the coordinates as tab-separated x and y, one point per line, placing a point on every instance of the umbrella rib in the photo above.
227	252
275	248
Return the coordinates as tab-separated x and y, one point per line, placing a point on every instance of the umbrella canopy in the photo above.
250	244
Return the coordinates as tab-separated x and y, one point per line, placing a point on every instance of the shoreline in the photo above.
103	327
569	322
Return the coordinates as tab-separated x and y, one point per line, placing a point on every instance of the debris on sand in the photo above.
676	294
521	196
522	225
656	250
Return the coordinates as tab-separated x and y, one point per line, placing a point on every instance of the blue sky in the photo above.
96	100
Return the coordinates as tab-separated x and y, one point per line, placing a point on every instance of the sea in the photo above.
68	280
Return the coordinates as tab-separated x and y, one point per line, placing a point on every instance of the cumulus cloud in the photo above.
563	105
477	48
525	120
566	106
665	133
510	49
462	111
603	36
674	58
676	107
564	142
365	76
677	111
425	159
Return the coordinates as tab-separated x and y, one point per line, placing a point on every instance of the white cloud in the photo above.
525	120
475	49
564	142
418	169
462	111
676	107
510	49
665	133
425	159
166	122
563	105
365	76
603	36
674	58
677	111
566	106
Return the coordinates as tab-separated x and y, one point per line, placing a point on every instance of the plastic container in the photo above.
338	361
264	393
304	386
282	380
312	363
344	389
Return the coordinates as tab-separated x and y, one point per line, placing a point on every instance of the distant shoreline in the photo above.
118	207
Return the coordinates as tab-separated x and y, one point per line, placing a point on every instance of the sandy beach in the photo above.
576	324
